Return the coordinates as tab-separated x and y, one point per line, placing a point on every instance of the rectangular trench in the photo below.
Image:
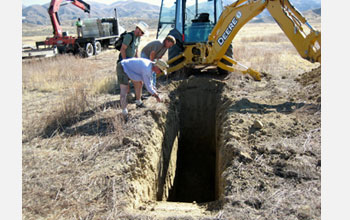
188	169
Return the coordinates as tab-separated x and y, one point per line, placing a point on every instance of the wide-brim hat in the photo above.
142	26
162	65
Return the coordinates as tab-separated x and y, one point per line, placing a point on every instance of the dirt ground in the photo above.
250	150
217	147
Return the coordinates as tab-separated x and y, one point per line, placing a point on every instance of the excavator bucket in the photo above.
253	73
250	71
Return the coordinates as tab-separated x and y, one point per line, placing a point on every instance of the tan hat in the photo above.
162	65
171	39
143	26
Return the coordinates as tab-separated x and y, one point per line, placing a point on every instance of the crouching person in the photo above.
139	71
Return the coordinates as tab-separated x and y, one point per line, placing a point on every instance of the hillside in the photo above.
37	14
312	15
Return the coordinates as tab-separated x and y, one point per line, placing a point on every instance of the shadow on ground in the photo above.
244	106
100	127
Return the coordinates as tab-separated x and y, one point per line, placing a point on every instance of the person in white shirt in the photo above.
139	71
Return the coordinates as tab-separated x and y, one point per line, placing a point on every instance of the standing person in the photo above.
79	25
156	49
131	42
139	71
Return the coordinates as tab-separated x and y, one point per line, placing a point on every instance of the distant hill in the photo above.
128	11
37	14
313	15
304	5
301	5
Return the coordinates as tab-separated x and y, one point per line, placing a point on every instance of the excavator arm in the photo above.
53	12
306	40
233	18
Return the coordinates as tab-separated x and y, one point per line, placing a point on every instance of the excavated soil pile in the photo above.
311	81
210	153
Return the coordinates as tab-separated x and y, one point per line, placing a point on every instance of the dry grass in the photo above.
71	131
57	74
106	85
65	169
32	30
265	48
68	85
66	112
72	180
274	38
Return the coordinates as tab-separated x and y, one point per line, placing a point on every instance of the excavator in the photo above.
204	31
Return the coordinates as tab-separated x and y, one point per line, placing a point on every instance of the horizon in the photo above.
107	2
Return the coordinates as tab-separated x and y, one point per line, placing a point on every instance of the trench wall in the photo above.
183	161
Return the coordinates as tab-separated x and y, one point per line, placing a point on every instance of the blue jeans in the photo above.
154	75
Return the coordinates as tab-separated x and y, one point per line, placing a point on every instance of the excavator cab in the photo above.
189	21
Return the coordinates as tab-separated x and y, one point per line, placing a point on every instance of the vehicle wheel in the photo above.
98	47
229	53
89	50
61	49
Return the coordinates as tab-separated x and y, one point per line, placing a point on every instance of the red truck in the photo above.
98	33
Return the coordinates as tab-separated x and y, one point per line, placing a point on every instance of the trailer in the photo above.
29	52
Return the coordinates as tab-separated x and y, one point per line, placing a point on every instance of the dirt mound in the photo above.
311	82
311	77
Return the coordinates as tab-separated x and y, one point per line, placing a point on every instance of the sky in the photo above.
41	2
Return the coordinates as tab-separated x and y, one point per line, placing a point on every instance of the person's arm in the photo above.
152	55
136	52
157	97
123	51
147	80
125	44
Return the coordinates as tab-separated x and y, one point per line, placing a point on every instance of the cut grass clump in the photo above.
65	113
105	86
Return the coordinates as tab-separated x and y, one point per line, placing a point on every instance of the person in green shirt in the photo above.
79	25
131	42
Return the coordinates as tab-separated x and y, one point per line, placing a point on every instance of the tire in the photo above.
61	49
89	50
98	47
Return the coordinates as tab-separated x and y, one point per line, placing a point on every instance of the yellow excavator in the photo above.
204	31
